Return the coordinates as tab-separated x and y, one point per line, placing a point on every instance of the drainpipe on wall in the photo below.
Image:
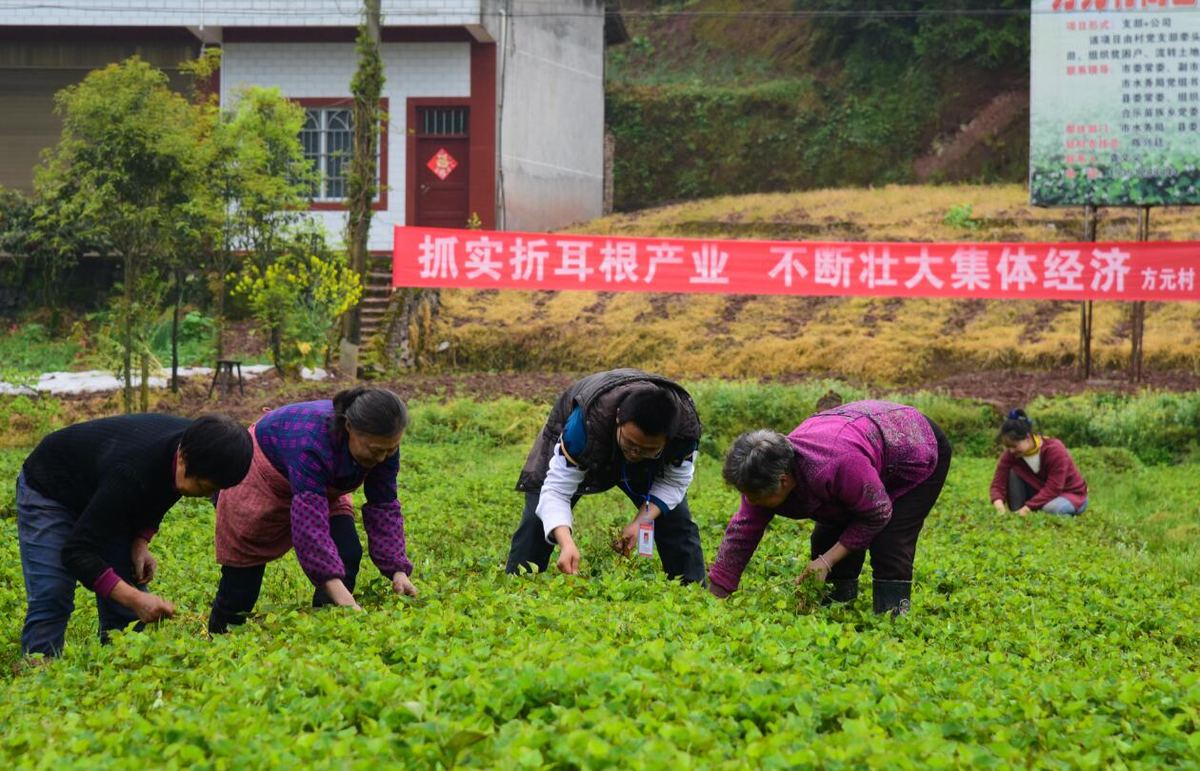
501	200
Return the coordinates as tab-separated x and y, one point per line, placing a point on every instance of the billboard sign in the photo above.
1115	102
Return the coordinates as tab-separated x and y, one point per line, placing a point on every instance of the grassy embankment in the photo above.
880	341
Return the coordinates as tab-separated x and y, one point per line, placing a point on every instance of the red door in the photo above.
443	171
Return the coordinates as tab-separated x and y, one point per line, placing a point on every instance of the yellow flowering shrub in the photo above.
299	299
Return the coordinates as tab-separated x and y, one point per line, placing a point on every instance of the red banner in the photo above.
475	259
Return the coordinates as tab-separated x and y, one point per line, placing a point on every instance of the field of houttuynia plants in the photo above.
1039	642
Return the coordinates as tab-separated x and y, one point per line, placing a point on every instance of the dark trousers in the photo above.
239	587
895	547
43	527
675	536
1020	491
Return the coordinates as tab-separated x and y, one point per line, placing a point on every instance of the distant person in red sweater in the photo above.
1036	472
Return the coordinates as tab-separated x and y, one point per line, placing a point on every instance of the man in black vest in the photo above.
622	428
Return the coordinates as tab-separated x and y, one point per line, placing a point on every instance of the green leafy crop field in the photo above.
1039	642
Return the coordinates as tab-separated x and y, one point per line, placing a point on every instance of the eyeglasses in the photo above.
632	450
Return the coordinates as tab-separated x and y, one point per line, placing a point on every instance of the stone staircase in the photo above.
377	292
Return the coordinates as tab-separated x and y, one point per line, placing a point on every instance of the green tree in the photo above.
41	253
367	87
258	185
868	32
17	238
122	175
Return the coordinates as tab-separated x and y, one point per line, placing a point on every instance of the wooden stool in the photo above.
224	373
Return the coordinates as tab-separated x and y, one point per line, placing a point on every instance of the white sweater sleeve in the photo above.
554	504
669	489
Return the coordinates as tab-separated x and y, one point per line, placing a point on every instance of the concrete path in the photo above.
99	381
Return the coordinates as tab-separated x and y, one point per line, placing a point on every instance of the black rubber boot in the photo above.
841	590
219	620
892	596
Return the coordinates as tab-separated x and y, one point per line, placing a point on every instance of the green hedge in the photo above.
1145	428
1125	429
686	141
729	408
1156	427
498	423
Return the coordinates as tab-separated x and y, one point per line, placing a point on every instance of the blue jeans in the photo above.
1061	505
43	527
1020	491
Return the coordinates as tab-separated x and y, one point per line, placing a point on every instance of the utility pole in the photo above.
367	87
1137	331
1085	309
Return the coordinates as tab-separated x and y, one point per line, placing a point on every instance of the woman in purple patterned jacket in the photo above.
867	472
308	459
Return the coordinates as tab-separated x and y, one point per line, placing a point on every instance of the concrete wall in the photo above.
318	70
234	13
32	71
551	75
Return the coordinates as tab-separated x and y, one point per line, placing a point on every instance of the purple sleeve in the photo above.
742	536
384	523
105	584
315	549
383	519
854	484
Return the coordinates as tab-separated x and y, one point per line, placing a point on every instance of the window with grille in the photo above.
442	121
328	141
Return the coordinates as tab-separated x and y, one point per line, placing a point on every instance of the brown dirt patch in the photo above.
244	340
805	309
1006	388
540	301
602	301
880	311
961	314
267	392
729	314
660	306
1043	315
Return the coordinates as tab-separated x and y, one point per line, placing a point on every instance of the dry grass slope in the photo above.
884	341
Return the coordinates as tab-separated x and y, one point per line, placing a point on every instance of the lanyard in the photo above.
645	547
629	487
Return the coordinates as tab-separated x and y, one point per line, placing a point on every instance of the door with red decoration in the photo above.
443	172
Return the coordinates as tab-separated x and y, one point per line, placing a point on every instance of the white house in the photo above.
495	107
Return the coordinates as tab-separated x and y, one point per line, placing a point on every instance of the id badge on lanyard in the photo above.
646	538
645	547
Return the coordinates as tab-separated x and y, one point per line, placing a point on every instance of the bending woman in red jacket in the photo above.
1035	472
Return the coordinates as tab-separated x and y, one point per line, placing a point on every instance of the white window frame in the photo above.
325	114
